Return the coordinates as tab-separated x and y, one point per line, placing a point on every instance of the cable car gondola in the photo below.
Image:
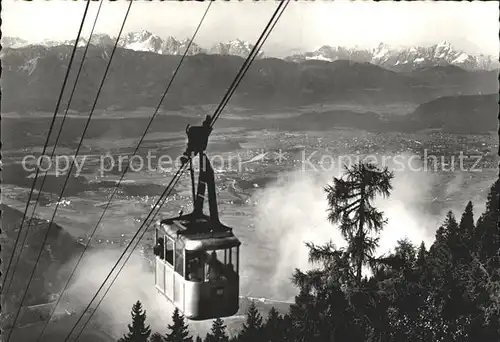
197	257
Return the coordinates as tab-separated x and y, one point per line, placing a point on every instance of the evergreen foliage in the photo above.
218	332
252	329
138	331
178	330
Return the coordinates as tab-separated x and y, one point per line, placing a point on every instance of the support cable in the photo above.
57	139
63	87
167	191
127	166
69	171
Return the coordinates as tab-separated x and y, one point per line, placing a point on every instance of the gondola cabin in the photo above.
197	257
197	272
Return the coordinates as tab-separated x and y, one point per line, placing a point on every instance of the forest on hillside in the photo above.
449	291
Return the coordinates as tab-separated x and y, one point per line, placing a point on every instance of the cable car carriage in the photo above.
197	257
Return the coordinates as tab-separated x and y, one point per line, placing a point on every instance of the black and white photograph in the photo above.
250	171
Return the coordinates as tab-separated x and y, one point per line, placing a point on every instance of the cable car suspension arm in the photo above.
206	180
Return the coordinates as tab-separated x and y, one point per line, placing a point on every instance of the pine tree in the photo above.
421	255
464	249
199	339
350	206
252	329
448	239
218	332
273	326
287	327
138	331
178	330
467	222
450	271
488	228
406	252
452	229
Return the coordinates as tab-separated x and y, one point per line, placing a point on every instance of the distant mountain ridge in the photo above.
32	77
397	59
403	58
146	41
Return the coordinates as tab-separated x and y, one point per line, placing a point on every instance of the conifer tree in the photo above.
488	228
350	206
446	239
421	255
273	326
287	327
218	332
406	252
452	229
467	222
449	276
252	329
199	339
138	331
178	330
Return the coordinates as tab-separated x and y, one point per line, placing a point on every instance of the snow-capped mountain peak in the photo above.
171	46
144	34
401	58
13	42
384	55
235	47
238	43
444	45
443	49
141	41
381	51
101	39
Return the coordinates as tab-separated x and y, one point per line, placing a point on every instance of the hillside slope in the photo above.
459	114
48	279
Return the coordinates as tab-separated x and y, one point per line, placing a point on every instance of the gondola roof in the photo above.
199	232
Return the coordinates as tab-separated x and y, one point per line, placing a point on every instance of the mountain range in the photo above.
32	76
403	58
393	58
146	41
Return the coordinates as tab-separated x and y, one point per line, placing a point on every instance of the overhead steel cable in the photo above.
167	191
55	144
127	166
58	104
251	57
128	257
71	167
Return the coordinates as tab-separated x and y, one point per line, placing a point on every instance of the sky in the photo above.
306	25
